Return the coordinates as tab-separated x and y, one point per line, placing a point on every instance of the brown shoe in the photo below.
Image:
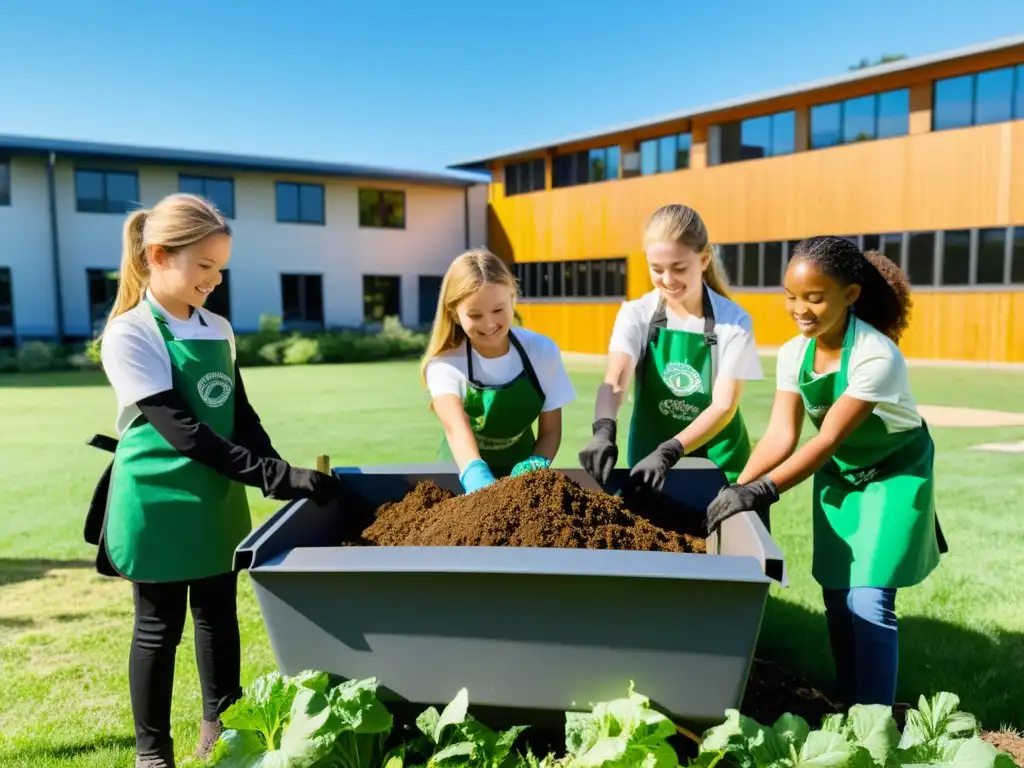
161	758
209	732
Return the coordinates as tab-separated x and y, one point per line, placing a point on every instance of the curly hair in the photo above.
884	300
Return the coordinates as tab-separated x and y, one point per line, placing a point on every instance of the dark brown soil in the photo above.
772	691
539	509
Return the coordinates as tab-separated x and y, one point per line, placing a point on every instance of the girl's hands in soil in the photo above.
756	495
649	473
476	476
530	465
601	453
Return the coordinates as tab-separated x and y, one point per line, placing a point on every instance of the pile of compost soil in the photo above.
539	509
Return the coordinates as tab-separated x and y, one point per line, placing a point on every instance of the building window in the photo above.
220	300
102	287
220	192
956	257
773	266
1017	257
5	182
757	137
430	292
589	165
302	301
382	297
750	264
991	256
300	203
587	278
994	96
921	258
875	116
729	257
527	176
669	153
6	300
382	208
106	191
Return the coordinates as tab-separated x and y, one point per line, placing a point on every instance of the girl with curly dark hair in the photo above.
872	460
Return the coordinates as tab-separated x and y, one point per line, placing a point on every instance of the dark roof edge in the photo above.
915	62
40	146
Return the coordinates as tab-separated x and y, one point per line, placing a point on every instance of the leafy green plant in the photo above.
937	733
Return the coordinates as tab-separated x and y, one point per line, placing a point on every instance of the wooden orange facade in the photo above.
962	179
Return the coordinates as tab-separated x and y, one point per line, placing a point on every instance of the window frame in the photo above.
380	192
203	179
299	186
130	205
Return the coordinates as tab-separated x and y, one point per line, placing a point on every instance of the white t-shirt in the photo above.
447	375
876	373
737	349
135	357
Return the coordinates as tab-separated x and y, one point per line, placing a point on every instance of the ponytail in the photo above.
714	275
884	302
177	221
134	274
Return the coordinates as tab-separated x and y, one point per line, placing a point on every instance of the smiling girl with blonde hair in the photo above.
489	383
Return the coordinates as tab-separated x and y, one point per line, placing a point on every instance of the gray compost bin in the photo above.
544	630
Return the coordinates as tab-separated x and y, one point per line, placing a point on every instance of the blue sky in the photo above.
424	83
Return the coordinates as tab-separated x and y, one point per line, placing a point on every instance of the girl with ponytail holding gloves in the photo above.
189	443
691	348
488	382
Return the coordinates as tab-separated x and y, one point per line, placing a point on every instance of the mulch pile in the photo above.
540	509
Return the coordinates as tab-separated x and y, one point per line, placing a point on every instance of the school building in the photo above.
921	158
320	245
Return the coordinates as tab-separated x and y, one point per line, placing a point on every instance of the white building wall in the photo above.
25	248
341	251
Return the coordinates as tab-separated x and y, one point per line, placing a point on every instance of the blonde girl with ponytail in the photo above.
175	505
689	348
489	383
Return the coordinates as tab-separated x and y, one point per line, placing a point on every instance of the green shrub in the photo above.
8	361
300	351
39	356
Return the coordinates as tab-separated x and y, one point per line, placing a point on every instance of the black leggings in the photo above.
159	622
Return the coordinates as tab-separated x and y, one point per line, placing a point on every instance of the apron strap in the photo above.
528	369
710	337
659	320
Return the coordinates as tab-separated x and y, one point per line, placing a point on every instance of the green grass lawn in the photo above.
65	631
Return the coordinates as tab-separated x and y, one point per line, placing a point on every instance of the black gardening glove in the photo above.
301	483
649	474
601	453
756	495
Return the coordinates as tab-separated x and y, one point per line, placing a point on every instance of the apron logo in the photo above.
682	378
815	411
679	409
214	389
485	443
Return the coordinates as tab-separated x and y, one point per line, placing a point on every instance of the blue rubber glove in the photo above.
529	465
476	476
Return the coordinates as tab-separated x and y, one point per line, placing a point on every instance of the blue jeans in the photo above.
865	643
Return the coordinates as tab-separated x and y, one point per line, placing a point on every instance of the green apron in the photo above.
874	501
675	377
502	415
170	518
